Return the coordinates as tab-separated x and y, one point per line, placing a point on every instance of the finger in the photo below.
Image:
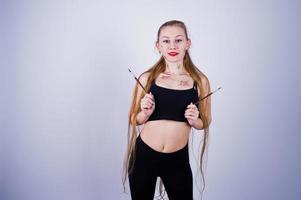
145	104
150	101
191	106
151	94
149	105
149	98
189	117
146	99
191	114
146	108
142	105
190	110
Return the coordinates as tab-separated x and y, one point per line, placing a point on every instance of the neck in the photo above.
175	68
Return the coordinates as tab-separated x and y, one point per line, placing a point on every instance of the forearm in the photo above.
198	124
141	118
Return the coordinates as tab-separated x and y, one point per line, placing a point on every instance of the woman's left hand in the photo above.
192	114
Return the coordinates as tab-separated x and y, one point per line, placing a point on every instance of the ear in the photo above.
158	47
188	44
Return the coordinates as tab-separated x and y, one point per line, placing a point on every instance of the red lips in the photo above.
173	53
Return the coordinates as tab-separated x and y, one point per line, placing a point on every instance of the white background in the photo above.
66	91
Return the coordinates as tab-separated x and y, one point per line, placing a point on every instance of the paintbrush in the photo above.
197	102
137	80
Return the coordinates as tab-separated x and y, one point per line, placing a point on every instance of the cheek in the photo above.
184	47
163	49
163	46
183	50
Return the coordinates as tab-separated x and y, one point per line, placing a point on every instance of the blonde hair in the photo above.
153	72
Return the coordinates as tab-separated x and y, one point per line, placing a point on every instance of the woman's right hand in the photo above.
147	104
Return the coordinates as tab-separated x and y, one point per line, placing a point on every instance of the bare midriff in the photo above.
165	136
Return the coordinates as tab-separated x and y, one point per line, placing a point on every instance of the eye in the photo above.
178	40
165	41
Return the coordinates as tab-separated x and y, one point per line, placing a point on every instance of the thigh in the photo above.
142	183
143	177
178	182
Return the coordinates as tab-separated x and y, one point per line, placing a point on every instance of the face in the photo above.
173	43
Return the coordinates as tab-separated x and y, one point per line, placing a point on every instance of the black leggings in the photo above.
173	169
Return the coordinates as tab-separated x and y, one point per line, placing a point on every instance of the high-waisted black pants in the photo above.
173	169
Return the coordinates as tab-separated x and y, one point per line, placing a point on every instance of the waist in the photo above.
167	125
166	135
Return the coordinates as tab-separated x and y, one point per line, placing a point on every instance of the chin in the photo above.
176	60
173	59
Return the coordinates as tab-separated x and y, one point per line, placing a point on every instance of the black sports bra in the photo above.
170	104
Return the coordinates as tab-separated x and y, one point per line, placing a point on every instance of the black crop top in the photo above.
171	104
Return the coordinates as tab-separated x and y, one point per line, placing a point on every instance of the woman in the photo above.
167	112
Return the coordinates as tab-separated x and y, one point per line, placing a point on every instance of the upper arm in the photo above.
143	80
205	84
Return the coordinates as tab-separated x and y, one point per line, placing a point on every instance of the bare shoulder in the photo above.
204	83
143	77
204	80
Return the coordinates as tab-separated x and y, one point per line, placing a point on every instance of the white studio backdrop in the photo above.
66	92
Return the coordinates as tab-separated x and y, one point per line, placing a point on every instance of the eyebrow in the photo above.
168	37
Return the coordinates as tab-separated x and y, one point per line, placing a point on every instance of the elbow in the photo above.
206	126
140	121
209	120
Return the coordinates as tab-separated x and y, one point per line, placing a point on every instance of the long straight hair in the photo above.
154	72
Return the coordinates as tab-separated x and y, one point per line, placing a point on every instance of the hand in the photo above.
147	104
192	114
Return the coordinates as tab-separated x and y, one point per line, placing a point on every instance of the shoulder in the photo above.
204	80
144	77
205	85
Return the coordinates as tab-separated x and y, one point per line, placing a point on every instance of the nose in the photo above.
172	45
